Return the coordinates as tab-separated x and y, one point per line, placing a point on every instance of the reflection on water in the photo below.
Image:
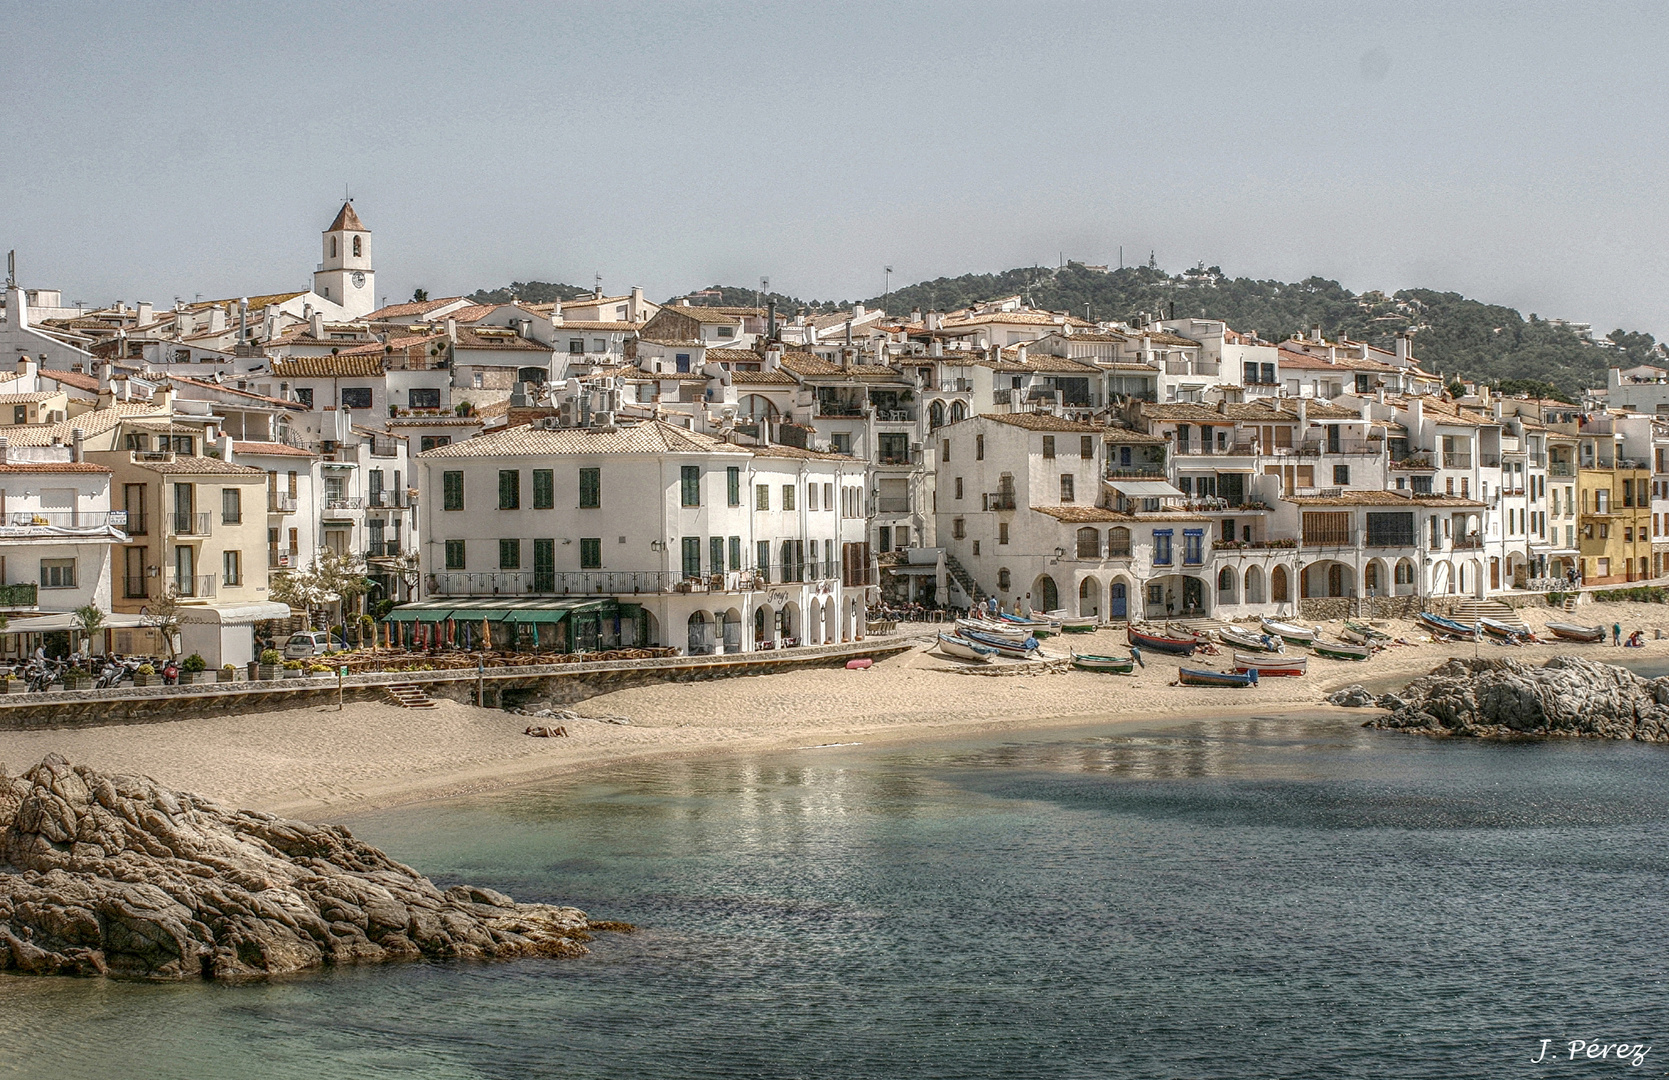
1291	896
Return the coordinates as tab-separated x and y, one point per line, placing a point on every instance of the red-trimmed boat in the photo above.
1160	642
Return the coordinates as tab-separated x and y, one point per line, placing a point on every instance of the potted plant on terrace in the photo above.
15	685
228	673
145	675
195	667
272	664
318	670
294	670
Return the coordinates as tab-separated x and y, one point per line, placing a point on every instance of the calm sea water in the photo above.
1228	898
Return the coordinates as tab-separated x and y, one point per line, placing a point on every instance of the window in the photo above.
733	485
735	553
478	380
727	331
1002	532
1066	488
454	554
788	496
1118	542
1391	529
1162	547
231	506
762	496
1004	580
429	442
1086	447
811	496
576	346
509	489
828	498
692	556
979	448
591	553
356	397
1341	475
841	442
1193	546
544	489
944	450
958	487
976	547
57	573
182	443
591	489
958	529
304	395
762	559
138	441
231	567
509	554
357	247
423	397
690	484
1089	543
1048	446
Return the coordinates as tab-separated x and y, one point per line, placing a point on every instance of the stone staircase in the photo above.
963	579
409	696
1469	611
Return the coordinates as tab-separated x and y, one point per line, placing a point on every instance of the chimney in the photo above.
145	313
1379	394
937	348
77	437
857	311
683	301
452	329
634	310
1403	346
771	319
243	320
848	331
597	293
1020	352
23	365
524	327
1303	415
316	324
1315	332
773	356
915	314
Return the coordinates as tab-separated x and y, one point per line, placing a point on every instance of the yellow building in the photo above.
1614	532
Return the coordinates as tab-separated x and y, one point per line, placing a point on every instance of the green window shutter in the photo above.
735	553
692	556
715	554
762	557
509	554
733	485
452	485
544	566
544	489
691	477
509	489
591	553
454	554
762	496
591	489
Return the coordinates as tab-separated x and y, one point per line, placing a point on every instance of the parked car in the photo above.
306	643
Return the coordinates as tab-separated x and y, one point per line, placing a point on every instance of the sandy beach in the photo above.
319	763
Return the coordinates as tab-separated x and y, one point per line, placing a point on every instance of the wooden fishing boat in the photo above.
1340	650
1353	636
1147	639
1495	628
1237	638
1200	677
1002	630
1366	630
1014	650
1113	665
951	645
1288	632
1266	665
1078	624
1437	624
1572	632
1184	633
1035	626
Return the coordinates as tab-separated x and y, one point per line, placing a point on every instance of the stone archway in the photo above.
1254	585
1089	598
1280	587
1047	593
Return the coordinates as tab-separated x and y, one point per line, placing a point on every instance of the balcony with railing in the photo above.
343	505
1456	459
1136	472
198	524
386	499
1467	543
999	500
197	586
95	520
895	416
894	458
384	447
280	503
591	582
1246	448
892	504
1561	468
283	558
136	588
1346	447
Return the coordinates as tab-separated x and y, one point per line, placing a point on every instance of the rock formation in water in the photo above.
114	875
1505	698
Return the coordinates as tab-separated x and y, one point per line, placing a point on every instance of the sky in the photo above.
1517	153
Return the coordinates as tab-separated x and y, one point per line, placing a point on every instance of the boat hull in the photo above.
1267	666
1111	665
1014	650
1241	639
1193	677
1292	635
1334	650
1439	625
964	650
1159	643
1588	635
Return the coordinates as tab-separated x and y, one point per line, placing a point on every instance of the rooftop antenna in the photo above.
11	269
764	288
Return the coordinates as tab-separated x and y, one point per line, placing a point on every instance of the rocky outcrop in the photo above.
114	875
1354	696
1508	698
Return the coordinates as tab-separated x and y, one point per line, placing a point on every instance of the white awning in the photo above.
235	614
912	571
65	620
1145	489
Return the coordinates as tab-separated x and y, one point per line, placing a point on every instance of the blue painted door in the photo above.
1118	602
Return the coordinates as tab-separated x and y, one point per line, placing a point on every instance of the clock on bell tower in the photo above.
345	276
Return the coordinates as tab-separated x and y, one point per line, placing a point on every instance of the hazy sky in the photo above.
1512	152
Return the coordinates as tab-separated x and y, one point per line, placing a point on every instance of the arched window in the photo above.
1003	580
356	247
1405	572
1278	585
958	412
1089	543
1225	580
333	247
936	415
756	407
1370	578
534	375
1254	585
1118	542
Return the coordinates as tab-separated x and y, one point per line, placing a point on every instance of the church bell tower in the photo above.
345	277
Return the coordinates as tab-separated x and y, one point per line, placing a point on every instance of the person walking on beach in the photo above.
1617	634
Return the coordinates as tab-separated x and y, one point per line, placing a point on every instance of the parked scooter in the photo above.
171	673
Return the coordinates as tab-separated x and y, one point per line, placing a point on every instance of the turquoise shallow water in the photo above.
1231	898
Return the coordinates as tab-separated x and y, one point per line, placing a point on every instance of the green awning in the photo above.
513	611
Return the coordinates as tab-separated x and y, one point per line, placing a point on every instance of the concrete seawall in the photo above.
559	683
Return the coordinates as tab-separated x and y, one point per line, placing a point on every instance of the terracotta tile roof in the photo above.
1078	514
1018	318
648	437
711	316
1381	498
763	378
24	399
600	327
1299	361
676	343
810	365
93	423
200	466
1042	422
434	421
1127	436
293	405
1042	365
270	449
403	311
330	367
256	303
473	313
473	338
392	345
52	467
347	219
777	450
72	378
1160	337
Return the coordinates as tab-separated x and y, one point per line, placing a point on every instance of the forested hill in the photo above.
1453	334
